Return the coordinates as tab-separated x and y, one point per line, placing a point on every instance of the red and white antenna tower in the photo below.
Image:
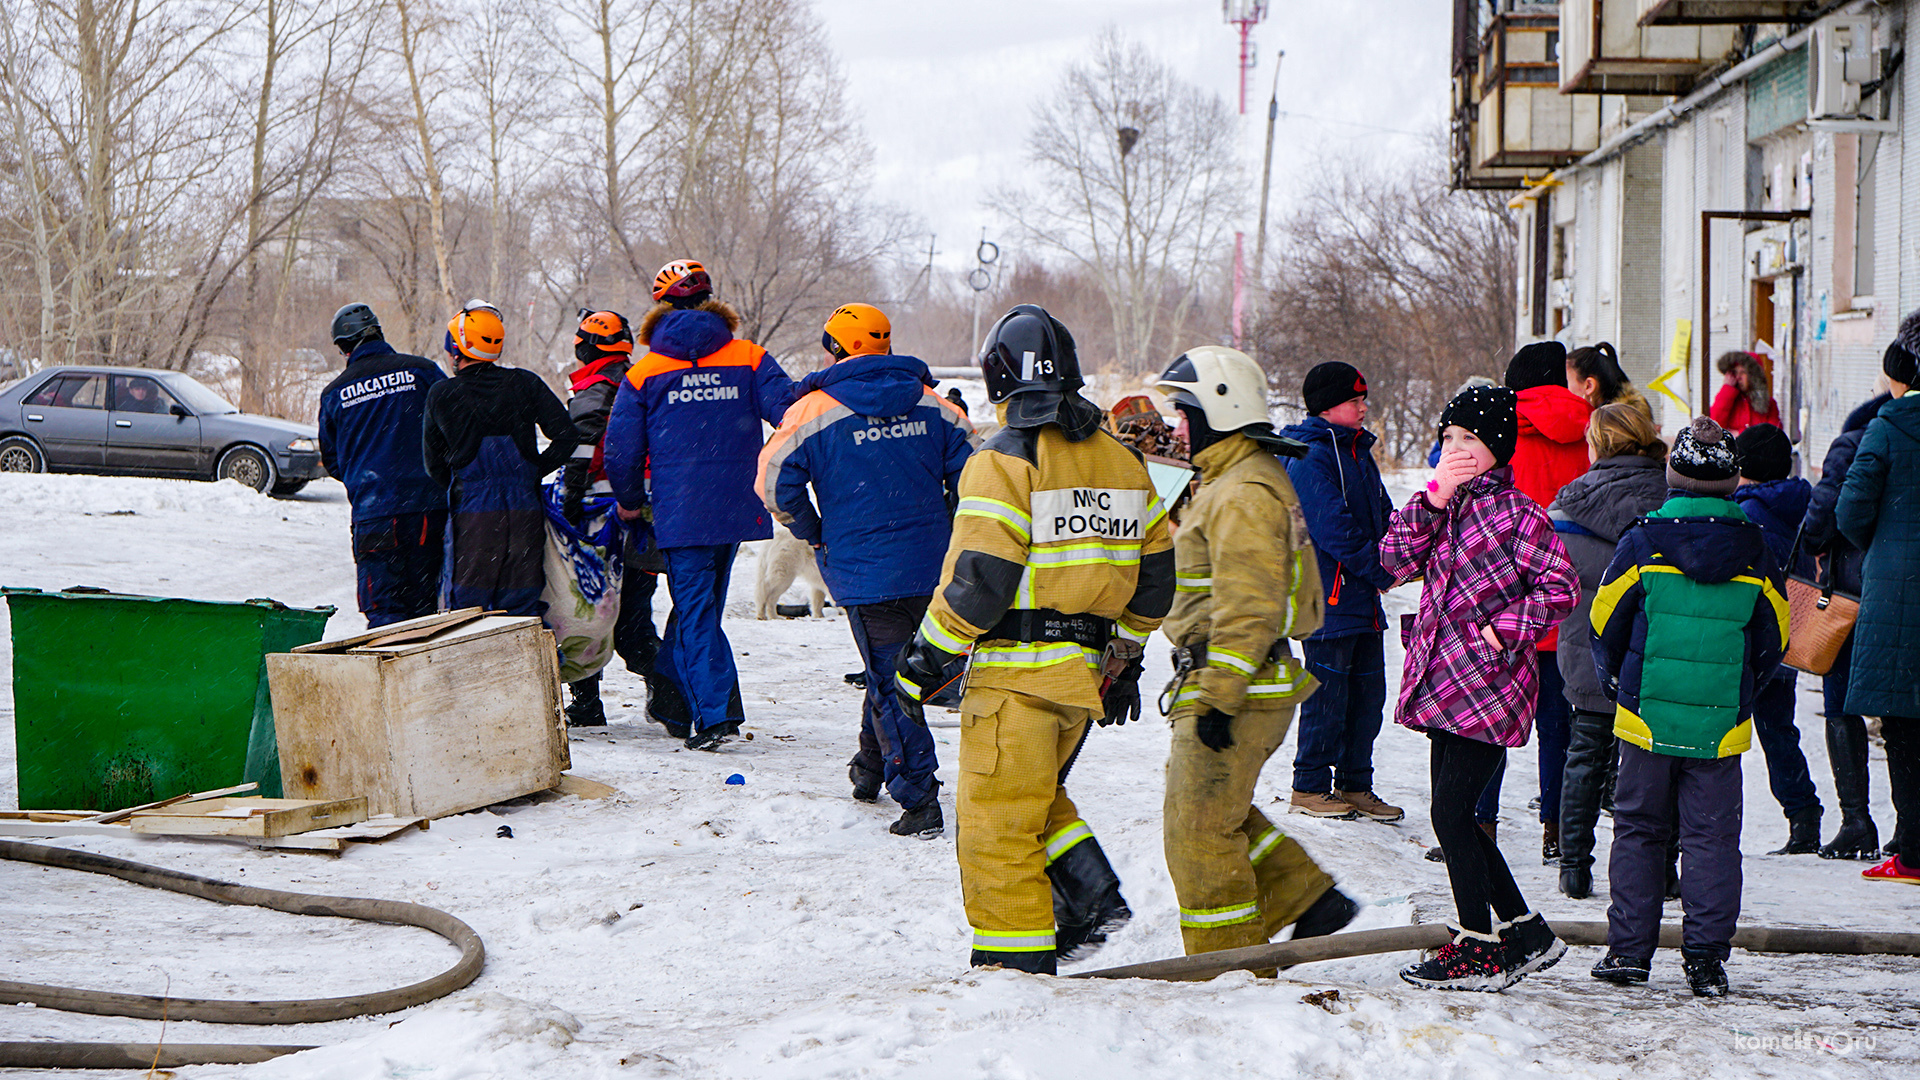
1245	15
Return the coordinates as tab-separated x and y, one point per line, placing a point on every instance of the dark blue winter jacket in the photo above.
1777	506
690	411
371	417
1818	533
883	452
1347	508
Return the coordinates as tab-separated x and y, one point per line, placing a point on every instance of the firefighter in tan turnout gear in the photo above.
1247	584
1060	566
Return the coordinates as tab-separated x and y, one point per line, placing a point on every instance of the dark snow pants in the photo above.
1339	723
497	533
695	652
1704	795
1551	717
1460	770
396	563
1590	751
901	751
1779	737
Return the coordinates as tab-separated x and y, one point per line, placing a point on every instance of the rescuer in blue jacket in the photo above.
370	423
883	452
683	443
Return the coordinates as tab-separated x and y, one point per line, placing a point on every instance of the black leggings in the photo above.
1461	769
1903	777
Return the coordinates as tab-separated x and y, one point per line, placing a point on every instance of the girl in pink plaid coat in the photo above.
1496	580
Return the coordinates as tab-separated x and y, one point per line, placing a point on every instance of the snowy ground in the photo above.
688	928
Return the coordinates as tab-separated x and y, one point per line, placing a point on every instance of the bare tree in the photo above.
418	26
1391	272
1136	182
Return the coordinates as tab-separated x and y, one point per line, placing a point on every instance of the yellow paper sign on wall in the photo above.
1676	363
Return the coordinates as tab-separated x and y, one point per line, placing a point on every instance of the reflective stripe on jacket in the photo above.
1247	580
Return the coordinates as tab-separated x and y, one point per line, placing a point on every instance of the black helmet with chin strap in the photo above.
1030	366
354	324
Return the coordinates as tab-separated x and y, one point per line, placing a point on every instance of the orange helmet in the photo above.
857	330
477	332
682	283
602	331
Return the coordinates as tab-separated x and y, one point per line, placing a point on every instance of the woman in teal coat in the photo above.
1879	510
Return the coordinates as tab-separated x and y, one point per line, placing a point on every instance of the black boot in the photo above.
1705	973
1673	864
667	706
924	820
1622	970
1803	833
1087	905
1576	881
1333	911
1550	843
1033	963
1582	789
866	782
1859	837
584	708
711	736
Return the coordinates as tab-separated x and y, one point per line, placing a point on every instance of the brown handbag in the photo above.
1819	621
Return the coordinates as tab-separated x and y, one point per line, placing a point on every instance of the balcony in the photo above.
1510	121
1605	50
1736	12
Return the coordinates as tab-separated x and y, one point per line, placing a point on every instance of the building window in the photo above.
1865	190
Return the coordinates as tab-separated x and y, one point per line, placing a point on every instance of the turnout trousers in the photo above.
1014	818
1238	878
397	562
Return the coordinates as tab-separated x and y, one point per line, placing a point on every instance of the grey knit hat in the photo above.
1704	460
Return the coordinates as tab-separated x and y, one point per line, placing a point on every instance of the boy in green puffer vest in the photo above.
1689	620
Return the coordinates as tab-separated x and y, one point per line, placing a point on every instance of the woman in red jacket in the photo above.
1551	451
1746	397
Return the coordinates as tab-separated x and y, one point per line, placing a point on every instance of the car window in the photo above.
194	395
72	392
139	394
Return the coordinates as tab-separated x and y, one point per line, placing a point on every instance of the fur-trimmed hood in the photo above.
643	333
1759	384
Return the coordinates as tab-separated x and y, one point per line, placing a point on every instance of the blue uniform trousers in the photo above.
890	743
694	652
397	562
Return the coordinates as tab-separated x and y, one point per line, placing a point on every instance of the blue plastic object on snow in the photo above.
736	778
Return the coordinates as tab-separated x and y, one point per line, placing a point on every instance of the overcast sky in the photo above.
946	87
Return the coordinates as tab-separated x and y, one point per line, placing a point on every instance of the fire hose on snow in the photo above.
312	1011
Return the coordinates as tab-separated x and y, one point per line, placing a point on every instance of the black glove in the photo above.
1121	702
918	672
1215	730
573	509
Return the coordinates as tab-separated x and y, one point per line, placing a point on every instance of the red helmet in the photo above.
682	280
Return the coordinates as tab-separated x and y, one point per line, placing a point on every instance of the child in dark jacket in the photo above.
1347	508
1496	580
1689	621
1777	502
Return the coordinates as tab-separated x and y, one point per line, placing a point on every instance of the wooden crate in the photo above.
457	718
249	815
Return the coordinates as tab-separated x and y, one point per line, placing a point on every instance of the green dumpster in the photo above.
122	700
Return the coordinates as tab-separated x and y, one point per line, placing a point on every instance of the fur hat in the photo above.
1766	454
643	333
1543	363
1901	361
1759	383
1704	460
1330	384
1490	412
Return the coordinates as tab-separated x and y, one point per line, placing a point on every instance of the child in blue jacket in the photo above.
1777	502
1347	508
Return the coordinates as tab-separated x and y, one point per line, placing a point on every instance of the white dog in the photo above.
784	559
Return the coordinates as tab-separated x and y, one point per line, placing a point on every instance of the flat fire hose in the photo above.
319	1010
1205	966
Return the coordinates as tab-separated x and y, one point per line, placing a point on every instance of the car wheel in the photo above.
248	465
21	454
289	487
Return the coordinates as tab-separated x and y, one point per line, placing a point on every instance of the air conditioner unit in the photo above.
1840	58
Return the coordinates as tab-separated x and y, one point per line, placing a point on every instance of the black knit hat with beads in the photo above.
1490	412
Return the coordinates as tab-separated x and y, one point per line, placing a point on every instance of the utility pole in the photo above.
1266	179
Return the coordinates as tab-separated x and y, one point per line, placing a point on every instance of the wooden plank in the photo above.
61	828
442	619
587	789
335	840
423	633
110	818
489	625
251	817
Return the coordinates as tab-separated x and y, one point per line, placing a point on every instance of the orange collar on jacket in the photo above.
734	353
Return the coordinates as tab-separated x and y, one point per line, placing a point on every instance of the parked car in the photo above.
138	422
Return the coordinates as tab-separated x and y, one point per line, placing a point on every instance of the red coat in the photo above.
1551	451
1732	410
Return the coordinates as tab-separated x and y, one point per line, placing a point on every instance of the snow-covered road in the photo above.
689	928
